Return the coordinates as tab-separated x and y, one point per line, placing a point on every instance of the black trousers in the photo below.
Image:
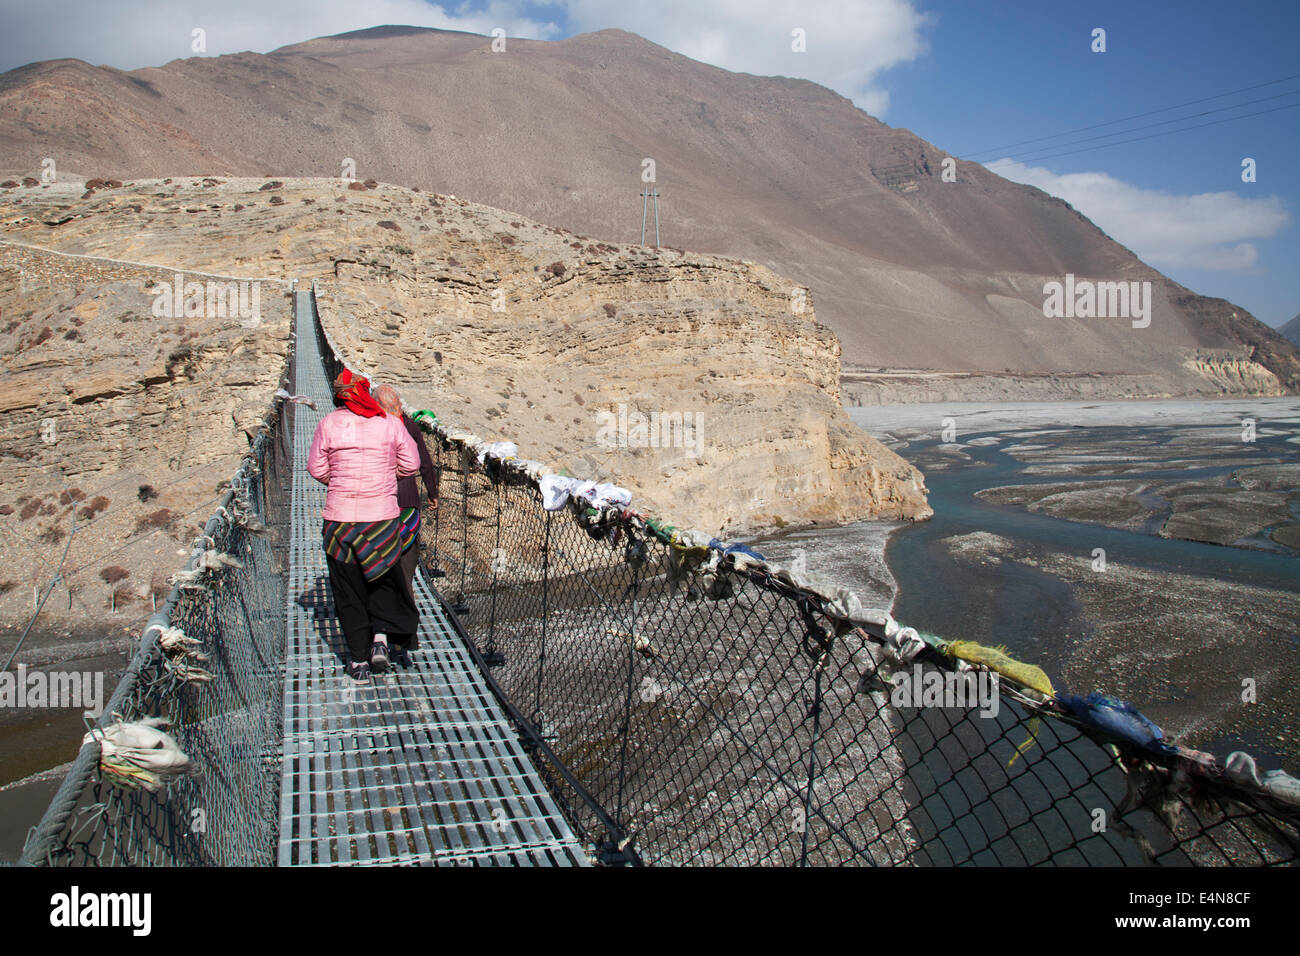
406	567
366	608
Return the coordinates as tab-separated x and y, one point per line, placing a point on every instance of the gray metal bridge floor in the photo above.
419	766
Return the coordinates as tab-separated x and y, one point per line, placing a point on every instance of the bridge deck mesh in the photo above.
680	713
419	766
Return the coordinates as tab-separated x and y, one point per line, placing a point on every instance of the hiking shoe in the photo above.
402	657
359	671
379	657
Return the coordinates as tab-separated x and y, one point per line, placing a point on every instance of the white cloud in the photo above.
848	44
130	34
1202	231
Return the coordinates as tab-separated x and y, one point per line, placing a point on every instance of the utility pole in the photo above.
656	196
647	194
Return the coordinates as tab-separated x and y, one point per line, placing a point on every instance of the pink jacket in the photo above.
360	459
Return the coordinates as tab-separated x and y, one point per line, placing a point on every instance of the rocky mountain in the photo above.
917	275
1291	331
121	429
513	329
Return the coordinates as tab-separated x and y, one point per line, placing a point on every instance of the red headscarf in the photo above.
354	392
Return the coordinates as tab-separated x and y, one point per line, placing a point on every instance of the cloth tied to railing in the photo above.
1028	676
558	489
903	643
1241	768
502	450
139	755
283	393
1117	718
183	661
996	659
210	560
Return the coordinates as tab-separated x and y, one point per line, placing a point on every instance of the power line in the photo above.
1166	109
39	607
1180	119
128	543
137	538
58	571
1168	132
59	576
87	497
1043	153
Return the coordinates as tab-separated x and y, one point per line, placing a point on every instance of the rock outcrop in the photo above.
688	378
120	424
514	329
1203	373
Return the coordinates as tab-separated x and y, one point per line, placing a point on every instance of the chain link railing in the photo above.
693	707
220	699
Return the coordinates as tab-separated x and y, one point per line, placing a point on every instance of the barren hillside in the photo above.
511	328
1291	331
910	271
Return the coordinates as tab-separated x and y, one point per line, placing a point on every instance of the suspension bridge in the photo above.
595	687
421	765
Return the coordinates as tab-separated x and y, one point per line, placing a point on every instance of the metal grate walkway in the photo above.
419	766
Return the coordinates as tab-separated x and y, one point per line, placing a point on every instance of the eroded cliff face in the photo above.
1233	372
118	423
513	329
590	355
1203	373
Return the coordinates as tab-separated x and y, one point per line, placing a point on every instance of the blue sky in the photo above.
971	77
1001	73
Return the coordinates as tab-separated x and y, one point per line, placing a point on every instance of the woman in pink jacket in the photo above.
358	452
